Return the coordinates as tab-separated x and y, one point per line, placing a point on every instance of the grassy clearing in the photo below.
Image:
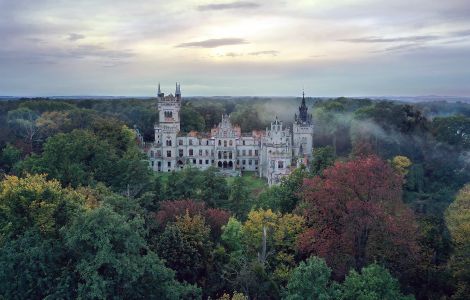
254	183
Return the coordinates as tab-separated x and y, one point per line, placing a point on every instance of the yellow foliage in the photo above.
401	164
32	201
458	218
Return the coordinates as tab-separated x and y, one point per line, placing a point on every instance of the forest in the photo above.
381	212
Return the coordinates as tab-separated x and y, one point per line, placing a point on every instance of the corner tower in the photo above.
303	132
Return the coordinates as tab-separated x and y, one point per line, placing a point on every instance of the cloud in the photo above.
266	52
373	39
227	6
213	43
75	37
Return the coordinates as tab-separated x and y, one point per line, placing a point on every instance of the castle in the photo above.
272	153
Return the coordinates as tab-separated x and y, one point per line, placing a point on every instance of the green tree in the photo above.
186	247
9	156
191	119
458	221
22	121
373	283
323	157
239	201
214	188
110	258
310	280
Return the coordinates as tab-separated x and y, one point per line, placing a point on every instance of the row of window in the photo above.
226	143
220	155
244	162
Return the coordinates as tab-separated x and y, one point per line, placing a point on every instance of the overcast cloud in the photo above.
330	47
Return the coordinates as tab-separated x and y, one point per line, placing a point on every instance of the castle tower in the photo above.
303	132
167	128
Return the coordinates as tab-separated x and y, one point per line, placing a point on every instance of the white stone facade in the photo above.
272	153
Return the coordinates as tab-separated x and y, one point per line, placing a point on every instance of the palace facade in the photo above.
272	153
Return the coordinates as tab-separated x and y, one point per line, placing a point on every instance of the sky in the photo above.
235	48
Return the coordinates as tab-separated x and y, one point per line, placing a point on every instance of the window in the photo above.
220	142
250	162
225	143
180	152
168	114
212	161
219	155
200	161
256	162
180	142
152	154
200	152
207	152
191	152
231	143
238	152
168	143
230	155
159	153
153	163
243	152
168	153
250	152
256	152
159	164
190	141
207	161
169	164
280	164
194	161
243	162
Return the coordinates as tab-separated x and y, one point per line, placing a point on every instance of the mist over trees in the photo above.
381	212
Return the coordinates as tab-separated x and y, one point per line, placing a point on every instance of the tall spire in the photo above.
178	90
160	94
303	114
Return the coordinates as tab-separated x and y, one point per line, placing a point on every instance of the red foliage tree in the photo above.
356	216
215	218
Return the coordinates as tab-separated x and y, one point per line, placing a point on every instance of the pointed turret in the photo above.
303	111
160	94
178	91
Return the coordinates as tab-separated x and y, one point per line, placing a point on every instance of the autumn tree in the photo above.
271	237
356	216
35	203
